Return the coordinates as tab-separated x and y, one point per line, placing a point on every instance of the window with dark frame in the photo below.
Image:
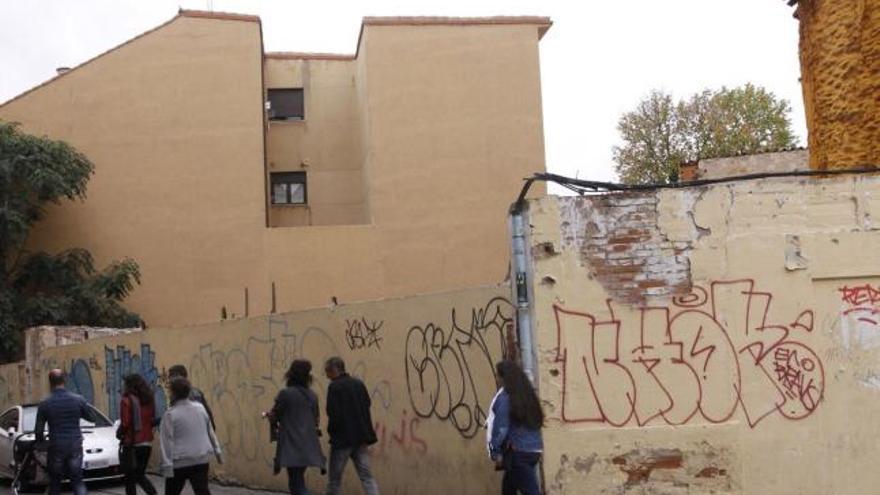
289	188
286	104
9	420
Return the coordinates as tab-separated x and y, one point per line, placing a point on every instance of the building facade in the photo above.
246	182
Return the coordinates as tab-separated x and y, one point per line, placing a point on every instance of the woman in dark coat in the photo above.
295	416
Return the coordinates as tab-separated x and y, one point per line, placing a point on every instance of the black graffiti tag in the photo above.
449	372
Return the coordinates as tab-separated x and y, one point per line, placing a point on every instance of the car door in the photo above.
9	429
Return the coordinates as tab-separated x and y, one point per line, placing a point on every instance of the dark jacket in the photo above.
296	414
62	410
348	413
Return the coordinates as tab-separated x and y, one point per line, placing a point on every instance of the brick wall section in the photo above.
618	238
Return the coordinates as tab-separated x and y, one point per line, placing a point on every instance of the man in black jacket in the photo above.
350	427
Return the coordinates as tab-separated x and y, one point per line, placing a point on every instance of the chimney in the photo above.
689	171
840	76
62	70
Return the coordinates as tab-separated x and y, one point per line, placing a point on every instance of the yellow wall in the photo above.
173	122
325	144
840	69
738	348
428	362
419	157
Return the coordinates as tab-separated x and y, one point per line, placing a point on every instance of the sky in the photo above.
597	61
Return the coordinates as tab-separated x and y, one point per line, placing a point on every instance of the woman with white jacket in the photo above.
188	442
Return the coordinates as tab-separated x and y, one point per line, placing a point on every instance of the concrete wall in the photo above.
783	161
419	157
840	73
717	339
427	360
13	384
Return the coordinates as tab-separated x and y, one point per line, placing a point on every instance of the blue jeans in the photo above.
65	461
519	473
361	457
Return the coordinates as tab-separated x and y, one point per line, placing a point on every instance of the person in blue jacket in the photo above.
514	430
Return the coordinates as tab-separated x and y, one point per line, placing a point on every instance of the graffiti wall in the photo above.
426	360
720	339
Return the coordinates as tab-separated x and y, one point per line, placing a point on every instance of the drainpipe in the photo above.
519	269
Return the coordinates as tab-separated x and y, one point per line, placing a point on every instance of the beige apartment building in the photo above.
245	182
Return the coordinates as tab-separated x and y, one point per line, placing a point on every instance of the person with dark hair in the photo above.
137	411
514	430
179	371
62	411
295	418
188	442
350	427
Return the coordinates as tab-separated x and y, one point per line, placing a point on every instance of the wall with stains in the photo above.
12	383
427	361
714	339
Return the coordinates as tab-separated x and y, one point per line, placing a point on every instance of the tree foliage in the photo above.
38	288
660	133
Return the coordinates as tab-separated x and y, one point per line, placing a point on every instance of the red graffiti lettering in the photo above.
711	353
404	438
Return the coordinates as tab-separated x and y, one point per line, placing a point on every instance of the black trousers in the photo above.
135	474
196	475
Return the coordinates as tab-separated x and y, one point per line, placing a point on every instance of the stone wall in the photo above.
840	73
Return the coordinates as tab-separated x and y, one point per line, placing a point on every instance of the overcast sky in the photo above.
597	60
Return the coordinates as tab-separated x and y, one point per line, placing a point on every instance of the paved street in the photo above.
118	489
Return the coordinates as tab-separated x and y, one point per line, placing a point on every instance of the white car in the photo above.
100	446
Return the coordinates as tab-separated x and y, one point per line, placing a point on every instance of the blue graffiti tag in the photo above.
122	362
79	380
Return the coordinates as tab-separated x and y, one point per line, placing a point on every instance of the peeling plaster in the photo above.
794	260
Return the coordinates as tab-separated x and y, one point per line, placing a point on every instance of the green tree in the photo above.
660	134
38	288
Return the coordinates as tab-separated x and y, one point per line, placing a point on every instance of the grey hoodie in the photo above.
187	438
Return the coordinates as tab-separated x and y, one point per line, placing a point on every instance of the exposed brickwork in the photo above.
619	238
840	72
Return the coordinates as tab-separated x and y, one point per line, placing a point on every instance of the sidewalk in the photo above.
116	488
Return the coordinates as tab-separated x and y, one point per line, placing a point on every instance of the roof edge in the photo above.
226	16
310	56
180	13
543	23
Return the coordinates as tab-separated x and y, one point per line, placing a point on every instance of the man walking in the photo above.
62	410
350	427
195	395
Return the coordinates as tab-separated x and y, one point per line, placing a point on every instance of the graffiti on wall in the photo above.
448	369
241	381
363	334
403	437
860	316
79	380
120	362
708	355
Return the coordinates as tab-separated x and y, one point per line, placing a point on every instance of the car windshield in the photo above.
30	419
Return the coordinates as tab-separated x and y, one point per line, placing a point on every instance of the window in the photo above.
289	188
9	420
286	104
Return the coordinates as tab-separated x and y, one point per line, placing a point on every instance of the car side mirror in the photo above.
116	424
10	432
